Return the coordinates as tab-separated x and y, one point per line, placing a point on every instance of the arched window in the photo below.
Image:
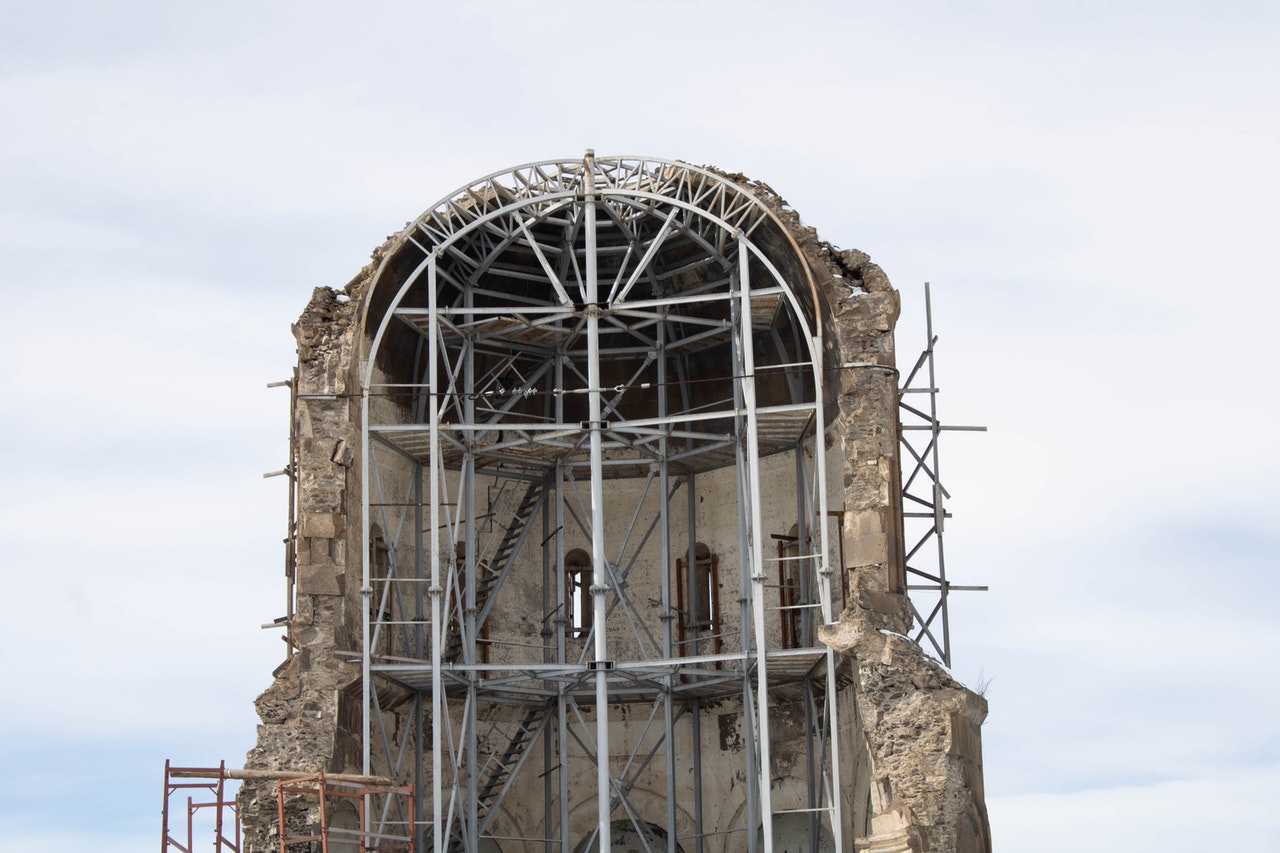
698	603
789	597
577	592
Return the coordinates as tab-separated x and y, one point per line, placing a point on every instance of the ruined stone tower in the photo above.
598	538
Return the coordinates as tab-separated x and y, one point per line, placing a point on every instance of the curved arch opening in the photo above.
506	267
629	837
629	355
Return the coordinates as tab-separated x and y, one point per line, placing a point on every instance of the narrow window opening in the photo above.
698	604
789	594
578	578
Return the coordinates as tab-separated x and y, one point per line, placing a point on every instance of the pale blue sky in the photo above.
1091	187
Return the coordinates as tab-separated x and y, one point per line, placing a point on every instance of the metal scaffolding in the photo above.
343	803
587	352
205	781
361	799
922	488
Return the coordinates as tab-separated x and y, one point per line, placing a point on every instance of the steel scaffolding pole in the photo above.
664	486
926	462
824	574
751	756
471	572
601	580
562	625
755	531
366	591
419	651
438	701
548	798
939	511
804	544
692	509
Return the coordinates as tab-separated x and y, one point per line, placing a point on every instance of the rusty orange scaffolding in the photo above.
378	794
362	797
204	779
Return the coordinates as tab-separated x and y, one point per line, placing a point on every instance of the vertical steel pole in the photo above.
600	567
291	549
664	524
824	574
939	509
548	651
561	624
755	531
691	502
419	647
804	568
366	591
437	590
743	486
471	571
164	811
548	798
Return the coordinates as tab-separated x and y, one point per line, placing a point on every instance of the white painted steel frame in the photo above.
741	214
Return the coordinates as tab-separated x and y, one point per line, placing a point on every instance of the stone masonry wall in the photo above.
300	728
921	726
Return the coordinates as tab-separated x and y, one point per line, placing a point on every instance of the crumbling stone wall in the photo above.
922	727
300	729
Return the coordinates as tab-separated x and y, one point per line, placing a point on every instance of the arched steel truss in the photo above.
520	307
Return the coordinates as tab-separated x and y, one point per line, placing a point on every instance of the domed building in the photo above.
598	539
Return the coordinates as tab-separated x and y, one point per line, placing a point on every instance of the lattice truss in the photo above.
924	499
582	350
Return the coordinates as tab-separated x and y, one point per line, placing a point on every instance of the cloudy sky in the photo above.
1091	187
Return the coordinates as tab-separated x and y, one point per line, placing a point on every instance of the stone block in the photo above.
319	579
882	602
322	525
866	541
